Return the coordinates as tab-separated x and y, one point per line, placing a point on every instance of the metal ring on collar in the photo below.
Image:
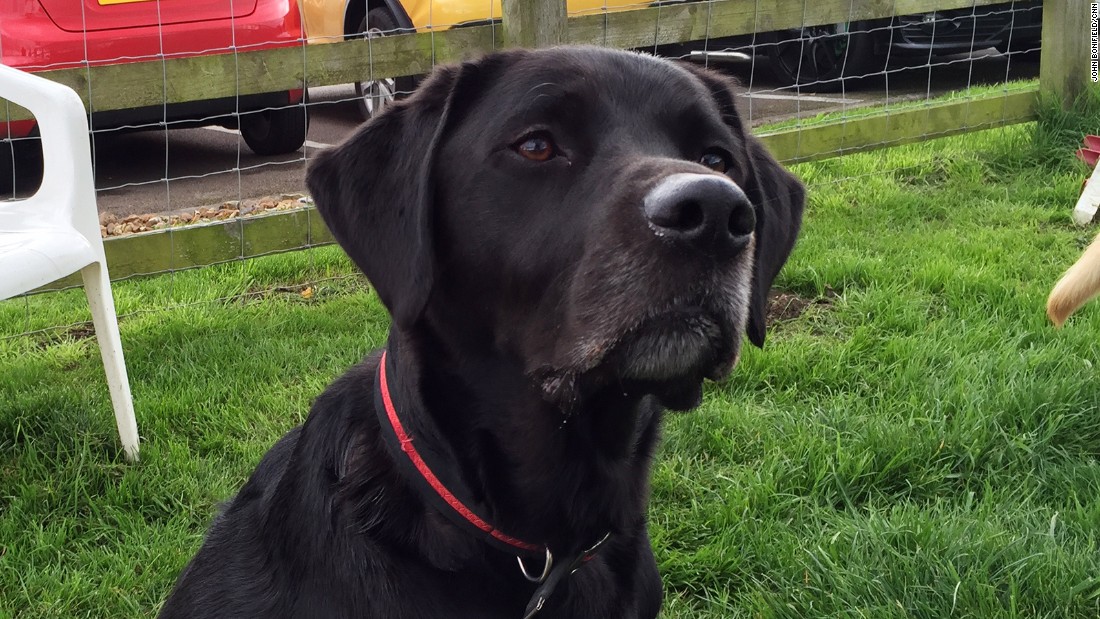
545	568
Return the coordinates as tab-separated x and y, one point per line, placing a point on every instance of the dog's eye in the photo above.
715	160
538	146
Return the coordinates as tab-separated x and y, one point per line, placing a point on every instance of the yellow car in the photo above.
328	21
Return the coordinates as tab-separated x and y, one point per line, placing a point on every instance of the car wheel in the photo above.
275	131
825	58
22	159
374	95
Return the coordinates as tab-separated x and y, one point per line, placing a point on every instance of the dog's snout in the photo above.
707	211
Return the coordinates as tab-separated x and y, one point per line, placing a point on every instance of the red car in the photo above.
38	35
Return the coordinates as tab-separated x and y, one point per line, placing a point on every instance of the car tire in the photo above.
825	58
276	131
22	159
374	95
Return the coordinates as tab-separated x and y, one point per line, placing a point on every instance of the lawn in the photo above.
915	440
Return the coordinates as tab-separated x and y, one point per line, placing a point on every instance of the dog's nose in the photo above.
707	211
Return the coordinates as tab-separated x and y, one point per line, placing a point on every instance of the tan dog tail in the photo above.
1080	283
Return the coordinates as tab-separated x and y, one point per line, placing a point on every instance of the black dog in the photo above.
569	241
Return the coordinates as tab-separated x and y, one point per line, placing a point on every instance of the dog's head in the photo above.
596	217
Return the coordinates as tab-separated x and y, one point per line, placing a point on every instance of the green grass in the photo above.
920	443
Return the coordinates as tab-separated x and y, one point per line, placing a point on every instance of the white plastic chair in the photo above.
55	232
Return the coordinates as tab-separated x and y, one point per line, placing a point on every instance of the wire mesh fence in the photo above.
205	116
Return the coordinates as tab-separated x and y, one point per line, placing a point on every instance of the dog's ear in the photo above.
779	198
375	192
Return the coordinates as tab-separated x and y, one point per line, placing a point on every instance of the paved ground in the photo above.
210	165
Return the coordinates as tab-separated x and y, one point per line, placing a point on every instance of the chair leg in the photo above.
97	286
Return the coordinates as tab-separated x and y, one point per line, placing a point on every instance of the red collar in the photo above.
466	517
416	465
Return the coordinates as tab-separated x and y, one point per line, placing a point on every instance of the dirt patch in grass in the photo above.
78	331
81	331
787	306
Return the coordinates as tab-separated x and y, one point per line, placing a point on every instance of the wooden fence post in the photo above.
1068	60
534	23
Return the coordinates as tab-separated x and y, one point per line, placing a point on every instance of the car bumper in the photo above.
966	29
33	42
